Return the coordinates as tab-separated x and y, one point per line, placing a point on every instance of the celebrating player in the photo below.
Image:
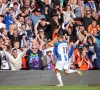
63	63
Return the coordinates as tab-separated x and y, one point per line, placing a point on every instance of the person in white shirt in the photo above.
4	60
2	25
15	59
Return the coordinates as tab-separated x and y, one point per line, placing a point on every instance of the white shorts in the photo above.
62	65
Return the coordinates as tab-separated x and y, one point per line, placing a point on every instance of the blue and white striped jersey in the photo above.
61	51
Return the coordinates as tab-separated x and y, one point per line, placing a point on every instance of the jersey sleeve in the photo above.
55	49
71	51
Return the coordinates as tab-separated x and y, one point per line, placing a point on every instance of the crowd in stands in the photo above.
29	30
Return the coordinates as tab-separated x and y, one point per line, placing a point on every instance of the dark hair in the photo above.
16	41
14	49
43	19
90	37
2	16
2	30
1	37
24	9
58	9
15	3
67	6
56	27
23	25
11	9
86	46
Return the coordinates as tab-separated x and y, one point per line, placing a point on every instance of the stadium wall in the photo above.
45	78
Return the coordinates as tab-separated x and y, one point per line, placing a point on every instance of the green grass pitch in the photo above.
48	88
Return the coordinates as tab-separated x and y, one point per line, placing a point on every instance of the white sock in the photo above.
72	71
59	78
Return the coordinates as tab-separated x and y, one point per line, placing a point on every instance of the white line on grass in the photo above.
47	88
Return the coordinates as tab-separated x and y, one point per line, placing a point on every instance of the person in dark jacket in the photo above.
43	6
34	61
87	20
15	37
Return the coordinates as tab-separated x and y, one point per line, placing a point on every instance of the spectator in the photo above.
34	58
79	10
8	20
95	32
44	5
87	19
93	25
36	15
49	60
1	7
15	58
15	36
39	22
27	3
83	61
68	14
43	24
91	4
4	60
2	25
93	49
16	10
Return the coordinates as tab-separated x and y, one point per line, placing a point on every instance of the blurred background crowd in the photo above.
35	24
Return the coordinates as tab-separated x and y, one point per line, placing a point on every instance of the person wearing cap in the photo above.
36	15
45	7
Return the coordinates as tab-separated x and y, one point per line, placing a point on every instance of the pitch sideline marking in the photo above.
46	88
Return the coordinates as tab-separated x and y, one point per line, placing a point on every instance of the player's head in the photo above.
60	37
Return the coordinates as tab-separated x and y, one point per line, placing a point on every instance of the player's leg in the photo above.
58	67
67	69
72	71
59	77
